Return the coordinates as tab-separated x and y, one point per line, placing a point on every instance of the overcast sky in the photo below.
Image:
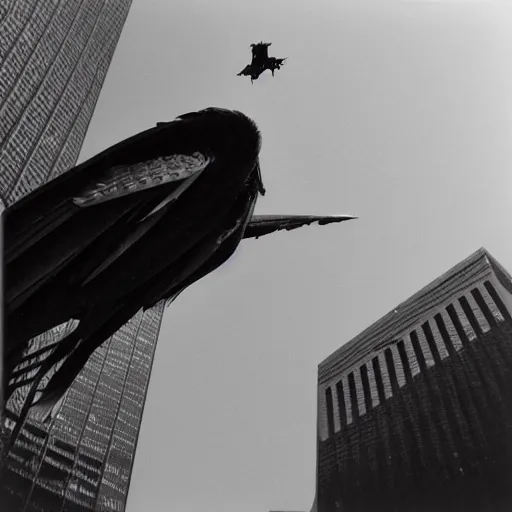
398	112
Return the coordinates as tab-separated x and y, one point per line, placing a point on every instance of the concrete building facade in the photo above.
415	413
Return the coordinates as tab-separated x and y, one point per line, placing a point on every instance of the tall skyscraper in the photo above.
415	413
54	56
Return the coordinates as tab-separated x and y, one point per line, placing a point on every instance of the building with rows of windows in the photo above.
54	57
415	413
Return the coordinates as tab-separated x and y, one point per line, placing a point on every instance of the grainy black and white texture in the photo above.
54	58
102	262
47	226
261	62
415	413
135	225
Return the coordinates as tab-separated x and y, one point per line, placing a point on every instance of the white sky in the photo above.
398	112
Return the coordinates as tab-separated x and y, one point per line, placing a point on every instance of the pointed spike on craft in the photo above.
261	225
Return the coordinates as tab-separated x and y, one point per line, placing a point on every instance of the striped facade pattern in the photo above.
53	469
422	421
38	349
99	420
54	56
404	317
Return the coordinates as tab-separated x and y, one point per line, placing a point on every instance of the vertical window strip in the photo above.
420	356
353	397
346	398
483	306
366	387
391	370
478	313
442	349
386	382
361	405
443	332
427	332
456	322
342	410
378	379
373	384
404	359
498	301
411	356
336	409
466	307
322	415
463	319
451	330
493	307
399	369
330	411
425	349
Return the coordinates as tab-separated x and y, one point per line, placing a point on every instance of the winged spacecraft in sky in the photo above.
135	225
261	61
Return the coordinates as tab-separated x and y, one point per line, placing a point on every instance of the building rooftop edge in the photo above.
481	256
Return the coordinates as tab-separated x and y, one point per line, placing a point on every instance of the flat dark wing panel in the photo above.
209	253
209	256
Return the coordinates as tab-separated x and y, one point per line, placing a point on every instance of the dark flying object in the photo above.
132	226
261	61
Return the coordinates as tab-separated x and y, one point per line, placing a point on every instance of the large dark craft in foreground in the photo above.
261	62
136	224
